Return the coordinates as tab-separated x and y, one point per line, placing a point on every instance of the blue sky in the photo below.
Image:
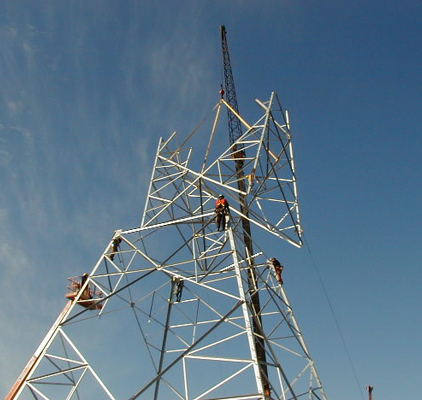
86	90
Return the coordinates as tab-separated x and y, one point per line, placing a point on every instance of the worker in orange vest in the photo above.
278	268
222	210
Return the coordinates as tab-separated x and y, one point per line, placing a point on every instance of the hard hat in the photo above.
220	196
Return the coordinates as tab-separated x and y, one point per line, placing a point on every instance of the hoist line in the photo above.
330	304
144	337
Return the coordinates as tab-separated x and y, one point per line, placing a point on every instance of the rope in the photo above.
330	304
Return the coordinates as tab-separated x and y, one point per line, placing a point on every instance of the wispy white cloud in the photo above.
14	106
78	148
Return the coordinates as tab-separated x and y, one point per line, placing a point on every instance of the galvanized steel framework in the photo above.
187	289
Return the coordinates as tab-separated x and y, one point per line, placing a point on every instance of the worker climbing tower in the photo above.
174	308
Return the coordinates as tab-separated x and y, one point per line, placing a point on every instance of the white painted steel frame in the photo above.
177	239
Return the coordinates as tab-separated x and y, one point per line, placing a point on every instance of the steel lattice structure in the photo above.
169	313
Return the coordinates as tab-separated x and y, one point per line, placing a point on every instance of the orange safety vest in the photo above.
221	203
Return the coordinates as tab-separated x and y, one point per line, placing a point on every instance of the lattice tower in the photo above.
167	311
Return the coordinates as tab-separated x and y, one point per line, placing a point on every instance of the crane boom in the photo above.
235	128
32	363
235	131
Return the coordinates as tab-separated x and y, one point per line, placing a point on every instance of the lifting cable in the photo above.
330	304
